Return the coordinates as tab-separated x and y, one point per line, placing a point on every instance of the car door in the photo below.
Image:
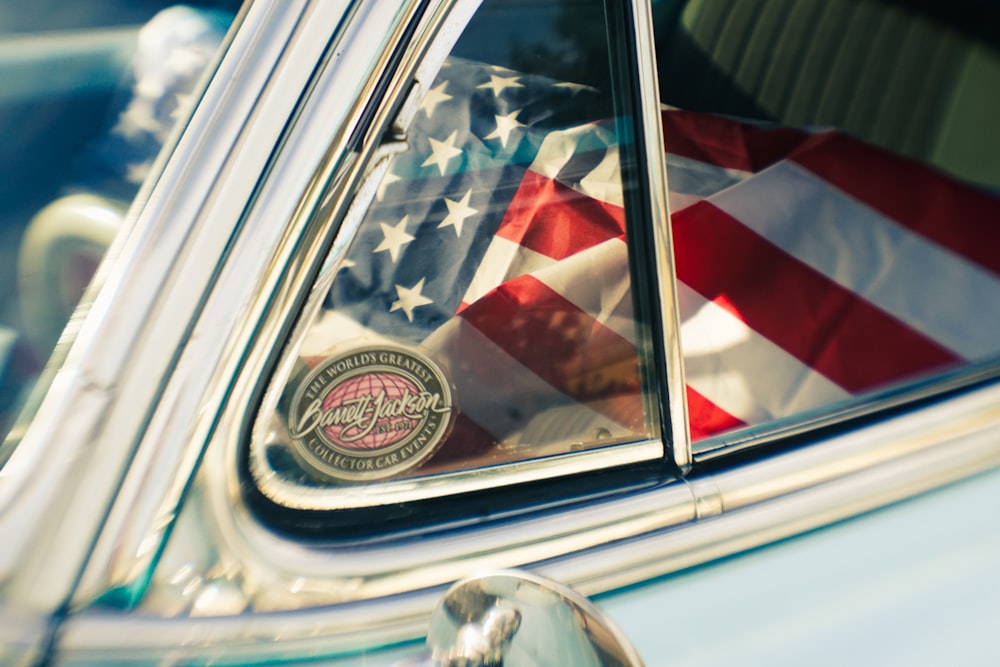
405	302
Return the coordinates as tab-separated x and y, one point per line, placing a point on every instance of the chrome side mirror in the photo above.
517	619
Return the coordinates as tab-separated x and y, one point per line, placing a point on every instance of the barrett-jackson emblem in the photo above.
370	413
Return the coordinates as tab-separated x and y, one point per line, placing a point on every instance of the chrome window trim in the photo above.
59	481
674	408
188	414
827	416
142	517
837	478
413	78
407	490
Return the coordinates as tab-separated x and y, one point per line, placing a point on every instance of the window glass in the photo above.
483	313
834	171
90	92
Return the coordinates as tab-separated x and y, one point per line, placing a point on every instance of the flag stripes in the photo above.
811	269
824	325
853	268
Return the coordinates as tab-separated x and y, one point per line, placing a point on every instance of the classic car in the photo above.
481	332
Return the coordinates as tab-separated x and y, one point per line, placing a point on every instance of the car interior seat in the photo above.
914	76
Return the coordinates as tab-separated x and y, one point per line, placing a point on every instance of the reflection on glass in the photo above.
90	94
839	240
483	313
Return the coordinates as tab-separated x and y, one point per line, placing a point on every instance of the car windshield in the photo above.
91	92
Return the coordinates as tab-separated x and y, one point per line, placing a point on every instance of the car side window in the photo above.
483	313
834	179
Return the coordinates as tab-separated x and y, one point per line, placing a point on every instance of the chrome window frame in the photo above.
209	421
856	408
346	209
63	475
196	395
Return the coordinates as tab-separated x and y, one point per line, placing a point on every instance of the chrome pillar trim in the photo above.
762	502
445	32
24	636
517	619
60	480
454	483
433	43
656	186
936	385
313	151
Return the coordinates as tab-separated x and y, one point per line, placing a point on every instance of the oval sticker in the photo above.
370	413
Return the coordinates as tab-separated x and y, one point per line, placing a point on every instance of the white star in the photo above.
410	298
500	83
505	125
395	238
434	97
458	211
442	151
387	180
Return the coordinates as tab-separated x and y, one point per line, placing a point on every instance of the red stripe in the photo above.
960	218
727	143
549	218
706	419
466	441
819	322
558	342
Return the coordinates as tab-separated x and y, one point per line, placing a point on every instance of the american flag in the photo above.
496	245
812	268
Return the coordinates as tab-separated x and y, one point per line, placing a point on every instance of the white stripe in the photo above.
556	150
596	281
604	182
331	329
694	179
503	261
932	289
500	394
742	372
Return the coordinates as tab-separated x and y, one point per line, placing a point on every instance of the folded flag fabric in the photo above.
812	268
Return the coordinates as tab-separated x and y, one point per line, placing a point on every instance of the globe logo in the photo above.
366	392
370	413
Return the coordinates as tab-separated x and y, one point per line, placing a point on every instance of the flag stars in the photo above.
434	97
442	152
498	84
387	180
409	299
505	125
458	211
394	238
